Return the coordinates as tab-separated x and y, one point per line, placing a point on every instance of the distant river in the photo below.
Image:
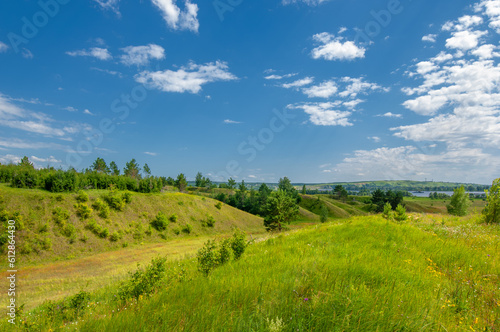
449	193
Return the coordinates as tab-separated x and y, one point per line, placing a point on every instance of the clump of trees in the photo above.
98	176
380	198
277	207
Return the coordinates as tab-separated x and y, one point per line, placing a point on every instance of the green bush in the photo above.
238	243
82	197
43	228
388	214
208	257
60	216
127	197
225	251
160	222
115	236
101	208
68	230
187	229
143	281
177	231
83	210
173	218
114	200
218	205
59	198
210	222
400	214
97	229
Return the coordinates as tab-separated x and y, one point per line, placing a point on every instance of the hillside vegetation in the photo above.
432	273
336	209
63	226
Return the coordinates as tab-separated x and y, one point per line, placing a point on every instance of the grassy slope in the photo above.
365	274
36	208
336	209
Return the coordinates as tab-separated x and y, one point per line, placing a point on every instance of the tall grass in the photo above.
364	274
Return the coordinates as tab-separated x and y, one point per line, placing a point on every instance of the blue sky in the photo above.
316	90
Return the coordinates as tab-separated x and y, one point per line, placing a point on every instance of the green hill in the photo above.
336	209
49	227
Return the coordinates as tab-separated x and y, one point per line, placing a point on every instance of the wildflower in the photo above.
306	299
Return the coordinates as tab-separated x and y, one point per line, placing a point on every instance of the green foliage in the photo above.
132	169
97	229
459	202
388	213
209	221
100	166
43	228
115	236
281	208
143	281
218	205
68	230
173	218
238	243
83	210
491	212
187	229
323	214
379	198
60	216
160	222
82	197
114	200
181	182
101	208
208	257
127	197
400	213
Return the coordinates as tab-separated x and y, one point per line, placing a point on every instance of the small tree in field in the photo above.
491	212
181	182
280	209
323	214
459	202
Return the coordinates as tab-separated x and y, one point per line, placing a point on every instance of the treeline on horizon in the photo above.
98	176
371	186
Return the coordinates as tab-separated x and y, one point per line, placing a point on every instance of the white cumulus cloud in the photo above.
96	52
177	19
141	55
336	48
189	78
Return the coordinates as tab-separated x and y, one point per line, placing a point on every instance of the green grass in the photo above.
434	273
81	235
336	209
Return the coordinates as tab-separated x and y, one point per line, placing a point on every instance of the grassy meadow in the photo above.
432	273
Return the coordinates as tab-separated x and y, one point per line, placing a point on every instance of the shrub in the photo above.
177	231
127	197
491	212
97	229
173	218
187	229
225	250
208	257
388	214
114	237
60	216
323	213
83	210
82	197
210	222
114	201
101	208
68	230
143	281
238	243
459	202
59	197
160	222
400	214
149	231
45	243
218	205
